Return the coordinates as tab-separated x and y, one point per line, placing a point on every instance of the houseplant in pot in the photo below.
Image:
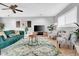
26	29
77	30
51	27
77	34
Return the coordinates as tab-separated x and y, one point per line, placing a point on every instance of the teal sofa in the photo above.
10	40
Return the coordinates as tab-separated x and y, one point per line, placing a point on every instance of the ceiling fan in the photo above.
12	7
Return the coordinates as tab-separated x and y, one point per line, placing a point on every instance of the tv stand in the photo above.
41	33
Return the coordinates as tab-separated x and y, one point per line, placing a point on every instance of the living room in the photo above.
38	28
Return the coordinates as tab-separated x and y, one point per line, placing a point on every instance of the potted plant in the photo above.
26	29
77	26
77	30
77	34
51	27
1	26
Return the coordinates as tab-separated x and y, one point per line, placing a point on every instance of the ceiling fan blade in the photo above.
4	4
5	8
15	6
18	10
14	11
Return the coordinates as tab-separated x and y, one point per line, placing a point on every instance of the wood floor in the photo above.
65	51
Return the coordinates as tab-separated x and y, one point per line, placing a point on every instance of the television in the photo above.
39	28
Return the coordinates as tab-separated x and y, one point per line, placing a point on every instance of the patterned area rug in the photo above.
25	48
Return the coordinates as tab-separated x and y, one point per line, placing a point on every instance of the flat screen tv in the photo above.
39	28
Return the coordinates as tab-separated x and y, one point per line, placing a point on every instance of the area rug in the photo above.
40	48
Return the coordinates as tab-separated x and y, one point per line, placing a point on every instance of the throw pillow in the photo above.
3	34
11	35
17	33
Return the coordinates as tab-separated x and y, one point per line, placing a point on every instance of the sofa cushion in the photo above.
1	39
11	35
17	32
9	32
10	40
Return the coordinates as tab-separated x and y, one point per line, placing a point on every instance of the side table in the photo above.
32	40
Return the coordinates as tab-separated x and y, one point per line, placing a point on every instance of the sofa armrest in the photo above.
21	32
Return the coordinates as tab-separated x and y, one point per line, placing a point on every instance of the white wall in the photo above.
42	21
10	23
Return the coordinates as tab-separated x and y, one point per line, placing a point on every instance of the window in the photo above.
61	21
68	18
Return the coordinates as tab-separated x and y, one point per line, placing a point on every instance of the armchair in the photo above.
63	39
73	39
66	38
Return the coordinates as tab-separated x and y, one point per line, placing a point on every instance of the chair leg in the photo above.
73	47
59	46
57	42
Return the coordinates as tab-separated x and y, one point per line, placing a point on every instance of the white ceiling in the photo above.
34	9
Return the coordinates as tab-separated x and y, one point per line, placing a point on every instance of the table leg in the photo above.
73	47
59	46
36	39
29	40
